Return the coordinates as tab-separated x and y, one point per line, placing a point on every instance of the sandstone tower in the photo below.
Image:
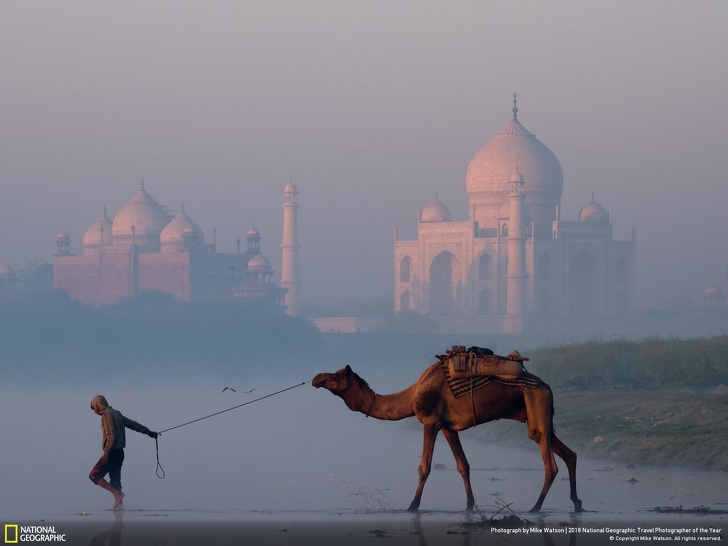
290	246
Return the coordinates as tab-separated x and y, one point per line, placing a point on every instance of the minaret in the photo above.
63	243
290	246
516	274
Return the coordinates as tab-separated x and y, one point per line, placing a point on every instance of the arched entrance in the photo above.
622	304
485	267
445	284
404	269
543	306
582	285
485	302
404	301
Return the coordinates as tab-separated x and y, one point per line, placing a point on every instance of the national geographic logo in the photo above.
11	533
15	533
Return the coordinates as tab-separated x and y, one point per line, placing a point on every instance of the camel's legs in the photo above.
425	464
540	430
569	458
549	465
463	465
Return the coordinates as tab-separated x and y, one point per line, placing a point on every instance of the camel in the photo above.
432	401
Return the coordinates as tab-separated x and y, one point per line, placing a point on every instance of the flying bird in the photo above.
232	268
241	392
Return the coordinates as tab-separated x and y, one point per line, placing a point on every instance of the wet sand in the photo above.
422	529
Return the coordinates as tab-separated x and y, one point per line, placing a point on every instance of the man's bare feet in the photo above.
118	500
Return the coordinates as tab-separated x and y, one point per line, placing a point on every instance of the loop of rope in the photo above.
159	466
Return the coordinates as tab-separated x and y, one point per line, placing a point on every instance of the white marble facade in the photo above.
557	268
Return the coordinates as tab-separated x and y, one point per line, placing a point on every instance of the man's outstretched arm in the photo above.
128	423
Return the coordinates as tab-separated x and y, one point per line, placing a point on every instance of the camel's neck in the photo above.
389	407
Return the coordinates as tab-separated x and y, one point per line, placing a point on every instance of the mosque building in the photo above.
147	248
515	263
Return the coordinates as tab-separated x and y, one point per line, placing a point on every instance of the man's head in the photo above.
99	404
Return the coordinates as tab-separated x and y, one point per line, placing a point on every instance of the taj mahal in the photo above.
515	263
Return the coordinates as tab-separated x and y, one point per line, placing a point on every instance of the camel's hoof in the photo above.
413	508
577	507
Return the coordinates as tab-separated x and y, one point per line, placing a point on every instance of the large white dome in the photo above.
488	178
492	166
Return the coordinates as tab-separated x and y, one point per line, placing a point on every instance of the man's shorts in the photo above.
109	463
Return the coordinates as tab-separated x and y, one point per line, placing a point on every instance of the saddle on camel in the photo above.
467	370
482	361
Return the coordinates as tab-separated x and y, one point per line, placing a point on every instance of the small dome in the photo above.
62	236
517	177
93	235
6	272
259	264
180	227
435	212
252	232
593	212
290	188
714	291
145	215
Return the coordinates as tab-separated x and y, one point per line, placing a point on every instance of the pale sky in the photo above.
369	107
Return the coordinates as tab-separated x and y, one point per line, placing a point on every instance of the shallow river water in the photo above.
303	469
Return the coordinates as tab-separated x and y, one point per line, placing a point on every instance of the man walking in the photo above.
113	425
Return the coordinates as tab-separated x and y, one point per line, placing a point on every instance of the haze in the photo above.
370	108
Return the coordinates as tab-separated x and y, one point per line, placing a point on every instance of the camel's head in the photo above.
336	382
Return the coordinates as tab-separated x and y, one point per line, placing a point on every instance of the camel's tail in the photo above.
553	428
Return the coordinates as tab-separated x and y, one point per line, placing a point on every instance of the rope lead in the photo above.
159	466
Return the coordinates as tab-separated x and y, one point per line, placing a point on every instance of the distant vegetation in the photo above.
657	401
32	279
651	362
47	338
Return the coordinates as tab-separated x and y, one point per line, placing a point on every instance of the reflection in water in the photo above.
112	535
422	535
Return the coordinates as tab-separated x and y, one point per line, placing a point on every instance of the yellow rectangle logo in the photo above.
11	533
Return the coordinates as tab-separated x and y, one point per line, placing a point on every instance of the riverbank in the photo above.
668	427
